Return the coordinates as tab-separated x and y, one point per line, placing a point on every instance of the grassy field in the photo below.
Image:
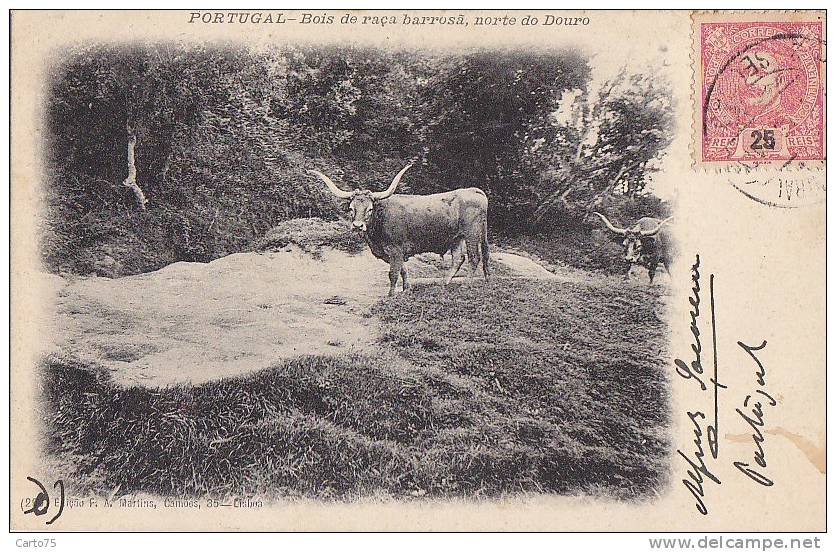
477	390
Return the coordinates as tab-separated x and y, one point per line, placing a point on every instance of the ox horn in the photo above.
653	232
342	194
391	189
619	231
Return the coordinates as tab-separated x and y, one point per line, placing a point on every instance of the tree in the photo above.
483	110
353	108
188	128
608	141
116	111
215	141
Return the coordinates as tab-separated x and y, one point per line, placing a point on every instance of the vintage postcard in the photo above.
401	270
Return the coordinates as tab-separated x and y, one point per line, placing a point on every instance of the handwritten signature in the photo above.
699	470
702	464
39	505
755	403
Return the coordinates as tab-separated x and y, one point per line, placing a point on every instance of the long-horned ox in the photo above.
647	243
400	225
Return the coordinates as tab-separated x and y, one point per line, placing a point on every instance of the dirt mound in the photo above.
521	267
195	322
311	235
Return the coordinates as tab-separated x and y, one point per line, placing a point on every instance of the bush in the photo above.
223	138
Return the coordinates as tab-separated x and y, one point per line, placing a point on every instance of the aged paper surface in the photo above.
200	342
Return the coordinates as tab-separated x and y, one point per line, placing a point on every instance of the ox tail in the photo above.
486	253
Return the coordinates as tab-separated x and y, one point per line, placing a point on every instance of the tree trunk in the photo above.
599	198
549	203
130	181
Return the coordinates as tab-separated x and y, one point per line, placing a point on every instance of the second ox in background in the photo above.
647	243
401	225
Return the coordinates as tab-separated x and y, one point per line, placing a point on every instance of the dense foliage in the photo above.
224	136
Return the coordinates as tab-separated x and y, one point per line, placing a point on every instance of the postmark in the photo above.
785	189
760	85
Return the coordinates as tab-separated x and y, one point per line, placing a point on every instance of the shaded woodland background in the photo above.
162	153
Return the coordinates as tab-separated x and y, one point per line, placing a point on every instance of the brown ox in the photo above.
399	226
647	243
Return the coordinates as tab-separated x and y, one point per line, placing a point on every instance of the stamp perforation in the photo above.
757	89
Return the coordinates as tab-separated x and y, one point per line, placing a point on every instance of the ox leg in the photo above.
473	254
395	266
404	277
651	272
458	260
486	255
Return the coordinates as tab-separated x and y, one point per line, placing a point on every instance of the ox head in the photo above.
362	202
636	241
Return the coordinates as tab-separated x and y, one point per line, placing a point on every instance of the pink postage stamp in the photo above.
761	89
